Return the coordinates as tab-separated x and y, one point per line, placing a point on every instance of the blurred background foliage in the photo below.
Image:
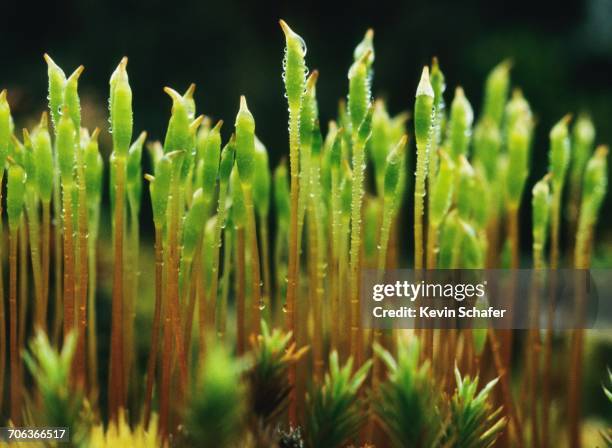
562	54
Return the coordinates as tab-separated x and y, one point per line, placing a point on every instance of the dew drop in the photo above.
285	309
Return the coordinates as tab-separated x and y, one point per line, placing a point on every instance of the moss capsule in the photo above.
5	128
438	84
43	157
518	162
261	180
442	189
294	66
394	166
94	167
121	116
496	92
518	109
177	135
309	112
540	206
460	126
192	226
71	97
211	152
15	197
379	144
66	145
487	143
134	170
583	137
160	189
595	184
57	81
359	90
423	109
559	155
227	162
365	46
245	143
465	188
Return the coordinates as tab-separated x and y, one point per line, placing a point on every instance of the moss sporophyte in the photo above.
253	331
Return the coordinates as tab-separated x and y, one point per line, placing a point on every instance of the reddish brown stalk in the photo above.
68	264
192	292
205	307
159	266
2	314
58	257
265	257
23	287
83	264
555	207
258	303
313	255
582	260
574	395
504	381
14	350
240	291
116	387
173	283
46	236
513	236
166	373
533	363
292	273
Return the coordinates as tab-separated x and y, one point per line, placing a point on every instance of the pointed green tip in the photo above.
311	82
120	72
142	137
425	87
286	29
190	91
369	35
435	65
459	93
244	108
173	94
77	73
217	126
50	62
3	95
195	124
